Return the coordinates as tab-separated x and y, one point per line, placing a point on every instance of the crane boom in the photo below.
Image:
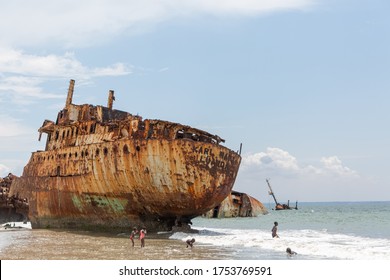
271	192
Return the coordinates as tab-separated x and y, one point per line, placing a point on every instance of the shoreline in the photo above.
74	245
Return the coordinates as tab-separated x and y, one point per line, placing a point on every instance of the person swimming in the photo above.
290	253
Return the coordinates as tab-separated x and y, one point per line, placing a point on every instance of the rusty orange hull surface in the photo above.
126	183
237	204
108	168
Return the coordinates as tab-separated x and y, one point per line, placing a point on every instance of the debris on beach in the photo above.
12	207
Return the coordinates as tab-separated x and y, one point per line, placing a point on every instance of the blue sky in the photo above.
303	84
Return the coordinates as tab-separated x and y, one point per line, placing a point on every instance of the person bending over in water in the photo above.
190	242
290	253
274	230
132	235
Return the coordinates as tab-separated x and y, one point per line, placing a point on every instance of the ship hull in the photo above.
118	184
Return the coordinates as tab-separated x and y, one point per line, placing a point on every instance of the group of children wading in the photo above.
142	234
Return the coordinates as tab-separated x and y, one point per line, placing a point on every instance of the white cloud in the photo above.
326	179
272	158
13	127
22	90
246	7
22	74
20	63
71	23
278	161
334	165
74	23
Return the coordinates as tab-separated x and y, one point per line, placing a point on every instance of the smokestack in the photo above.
70	94
111	99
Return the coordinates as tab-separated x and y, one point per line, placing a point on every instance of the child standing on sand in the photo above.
132	235
142	235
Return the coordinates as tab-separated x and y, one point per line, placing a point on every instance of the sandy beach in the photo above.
67	245
317	231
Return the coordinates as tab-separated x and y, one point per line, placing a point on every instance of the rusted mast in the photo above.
70	94
111	99
271	192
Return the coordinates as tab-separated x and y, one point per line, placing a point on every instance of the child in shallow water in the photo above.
142	235
132	235
274	230
190	242
290	253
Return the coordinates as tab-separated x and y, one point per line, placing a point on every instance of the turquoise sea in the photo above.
326	230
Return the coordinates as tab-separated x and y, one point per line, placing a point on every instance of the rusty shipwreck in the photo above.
279	206
237	204
108	169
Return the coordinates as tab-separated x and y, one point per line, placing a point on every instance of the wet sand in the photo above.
67	245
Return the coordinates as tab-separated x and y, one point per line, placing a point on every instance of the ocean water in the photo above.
317	231
332	230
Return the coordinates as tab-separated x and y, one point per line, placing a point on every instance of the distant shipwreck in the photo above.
237	204
279	206
108	169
